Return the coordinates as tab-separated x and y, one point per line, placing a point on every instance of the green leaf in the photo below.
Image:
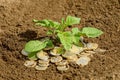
34	45
49	43
76	35
72	20
75	31
91	32
47	23
54	24
68	38
32	56
65	39
41	22
76	39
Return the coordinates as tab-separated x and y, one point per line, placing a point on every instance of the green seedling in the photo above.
58	35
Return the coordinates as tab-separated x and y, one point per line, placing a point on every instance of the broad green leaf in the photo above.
75	31
32	56
76	39
54	24
41	22
76	35
72	20
62	25
49	43
65	39
91	32
47	23
34	45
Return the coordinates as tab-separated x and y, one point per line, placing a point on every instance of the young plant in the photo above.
58	35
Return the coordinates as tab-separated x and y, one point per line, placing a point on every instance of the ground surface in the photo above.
16	28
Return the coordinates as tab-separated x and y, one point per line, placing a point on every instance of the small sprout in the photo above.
58	33
83	60
62	63
70	45
23	52
42	55
56	59
41	67
63	68
30	63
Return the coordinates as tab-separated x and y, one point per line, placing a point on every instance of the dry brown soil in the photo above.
16	28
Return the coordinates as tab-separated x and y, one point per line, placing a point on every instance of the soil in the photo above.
16	28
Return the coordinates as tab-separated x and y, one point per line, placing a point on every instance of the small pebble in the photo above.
83	60
40	67
43	65
30	63
23	52
76	49
63	68
92	46
42	55
63	62
100	50
71	57
56	59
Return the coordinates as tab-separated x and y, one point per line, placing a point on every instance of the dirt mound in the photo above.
16	28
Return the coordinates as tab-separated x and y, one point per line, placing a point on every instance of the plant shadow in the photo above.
28	35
